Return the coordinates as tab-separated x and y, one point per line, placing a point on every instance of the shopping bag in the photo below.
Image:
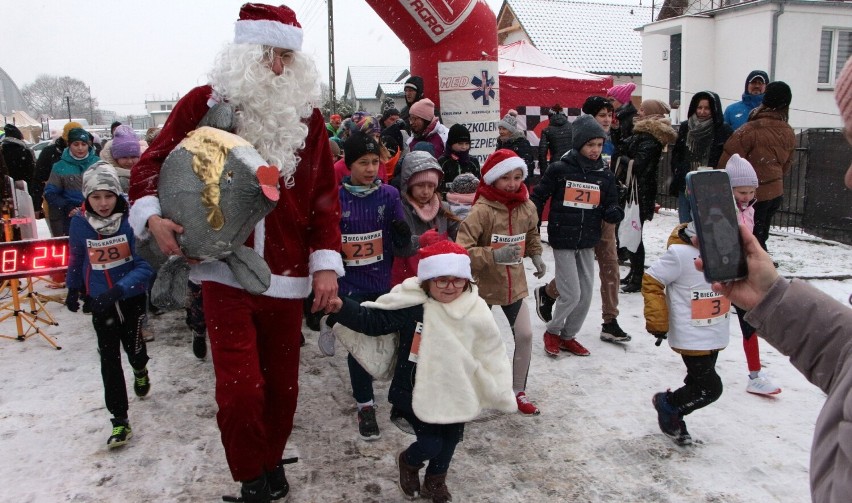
630	230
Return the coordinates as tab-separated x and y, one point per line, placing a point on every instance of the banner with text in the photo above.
470	95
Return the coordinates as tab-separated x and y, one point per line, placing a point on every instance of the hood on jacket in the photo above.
715	107
660	128
753	74
418	83
415	162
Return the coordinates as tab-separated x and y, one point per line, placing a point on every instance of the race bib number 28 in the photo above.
709	308
108	253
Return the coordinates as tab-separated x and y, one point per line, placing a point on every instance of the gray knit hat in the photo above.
101	176
465	183
510	122
584	129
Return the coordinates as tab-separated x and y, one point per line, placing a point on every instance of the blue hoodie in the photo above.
737	113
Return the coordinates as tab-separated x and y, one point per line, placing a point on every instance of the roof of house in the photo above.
594	37
393	88
366	79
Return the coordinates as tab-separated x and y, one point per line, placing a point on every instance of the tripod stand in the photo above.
12	255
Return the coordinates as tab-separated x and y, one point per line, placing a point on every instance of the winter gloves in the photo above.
401	235
72	300
540	266
106	300
508	254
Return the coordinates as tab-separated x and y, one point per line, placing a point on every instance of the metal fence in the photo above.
815	198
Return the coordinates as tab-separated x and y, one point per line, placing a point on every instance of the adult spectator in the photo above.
555	138
622	128
333	125
413	90
513	137
768	143
700	140
19	158
425	126
652	132
48	157
255	341
755	85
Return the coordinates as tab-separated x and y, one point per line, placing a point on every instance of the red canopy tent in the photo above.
531	82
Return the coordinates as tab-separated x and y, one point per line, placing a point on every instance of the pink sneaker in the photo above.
526	407
573	347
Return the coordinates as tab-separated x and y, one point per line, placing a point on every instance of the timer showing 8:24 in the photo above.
35	257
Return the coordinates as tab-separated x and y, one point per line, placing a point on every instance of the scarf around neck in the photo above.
426	212
106	226
510	199
360	190
699	138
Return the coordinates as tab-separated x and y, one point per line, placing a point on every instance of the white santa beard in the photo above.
270	107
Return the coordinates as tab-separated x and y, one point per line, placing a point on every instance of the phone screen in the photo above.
715	215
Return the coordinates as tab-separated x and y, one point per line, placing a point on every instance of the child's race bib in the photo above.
362	249
415	343
709	308
108	253
500	240
581	195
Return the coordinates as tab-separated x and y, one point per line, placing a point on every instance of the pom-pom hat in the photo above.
443	258
499	163
268	25
741	172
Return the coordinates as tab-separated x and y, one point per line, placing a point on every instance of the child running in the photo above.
103	264
583	193
500	230
680	306
744	184
451	360
371	225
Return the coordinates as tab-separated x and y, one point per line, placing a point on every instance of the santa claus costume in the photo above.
255	339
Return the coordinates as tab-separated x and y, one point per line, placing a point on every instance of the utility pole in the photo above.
331	58
91	108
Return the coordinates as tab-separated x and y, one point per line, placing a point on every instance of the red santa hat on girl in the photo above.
499	163
268	25
443	258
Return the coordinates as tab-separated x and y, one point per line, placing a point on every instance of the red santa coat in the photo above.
302	233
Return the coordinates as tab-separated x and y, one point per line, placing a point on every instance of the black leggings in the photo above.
702	385
114	331
435	443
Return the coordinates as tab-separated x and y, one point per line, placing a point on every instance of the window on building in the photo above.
165	107
834	49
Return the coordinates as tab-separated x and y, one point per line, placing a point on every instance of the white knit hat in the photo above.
268	25
741	172
443	258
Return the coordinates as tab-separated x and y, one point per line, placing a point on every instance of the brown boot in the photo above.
435	487
409	477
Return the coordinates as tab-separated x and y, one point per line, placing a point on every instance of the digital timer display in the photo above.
35	257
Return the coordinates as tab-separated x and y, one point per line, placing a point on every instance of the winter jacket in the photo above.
19	160
436	134
650	137
745	214
682	161
64	189
460	367
819	344
737	113
521	146
302	233
572	227
622	128
768	143
555	140
680	303
132	274
49	156
453	167
366	215
499	284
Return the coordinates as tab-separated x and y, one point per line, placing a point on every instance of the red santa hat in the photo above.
499	163
268	25
443	258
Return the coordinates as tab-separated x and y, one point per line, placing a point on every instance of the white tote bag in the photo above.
630	230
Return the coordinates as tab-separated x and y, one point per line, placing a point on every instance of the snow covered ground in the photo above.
596	440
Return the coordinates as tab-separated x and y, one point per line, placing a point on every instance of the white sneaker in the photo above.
761	385
326	338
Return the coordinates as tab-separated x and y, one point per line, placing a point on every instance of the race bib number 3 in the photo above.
586	196
362	249
415	343
709	308
500	240
108	253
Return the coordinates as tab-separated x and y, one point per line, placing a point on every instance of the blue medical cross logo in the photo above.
485	87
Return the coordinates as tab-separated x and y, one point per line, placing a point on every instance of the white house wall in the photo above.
718	53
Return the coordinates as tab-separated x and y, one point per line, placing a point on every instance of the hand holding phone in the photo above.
715	214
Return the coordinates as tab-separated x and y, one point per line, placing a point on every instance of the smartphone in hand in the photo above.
715	214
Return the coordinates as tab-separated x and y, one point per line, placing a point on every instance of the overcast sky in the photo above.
128	51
